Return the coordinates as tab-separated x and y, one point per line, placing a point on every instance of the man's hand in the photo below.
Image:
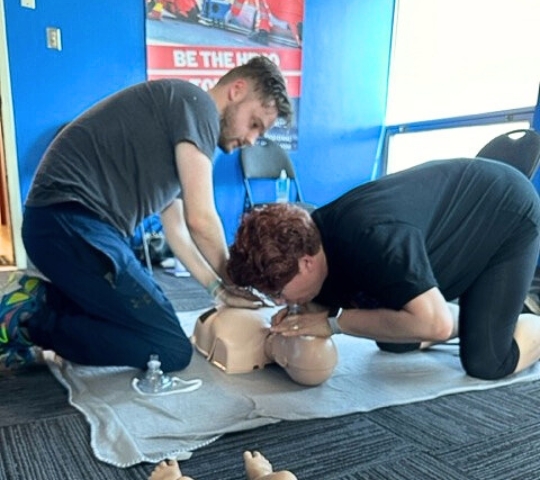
311	319
237	297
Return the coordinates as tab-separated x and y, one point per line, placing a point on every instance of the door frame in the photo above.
10	147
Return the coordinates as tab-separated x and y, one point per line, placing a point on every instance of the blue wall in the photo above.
342	105
103	51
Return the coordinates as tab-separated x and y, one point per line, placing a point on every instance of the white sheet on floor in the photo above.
127	428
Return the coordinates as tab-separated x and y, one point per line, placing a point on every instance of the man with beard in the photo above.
144	150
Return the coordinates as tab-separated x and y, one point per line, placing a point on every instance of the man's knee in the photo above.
483	371
176	357
489	368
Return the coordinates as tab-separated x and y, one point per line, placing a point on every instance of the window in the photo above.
461	73
409	149
463	57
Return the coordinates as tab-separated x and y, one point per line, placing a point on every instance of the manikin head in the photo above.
250	98
307	359
278	251
238	340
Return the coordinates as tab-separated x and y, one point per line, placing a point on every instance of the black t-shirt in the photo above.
434	225
118	158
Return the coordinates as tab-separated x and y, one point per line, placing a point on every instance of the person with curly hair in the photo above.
387	261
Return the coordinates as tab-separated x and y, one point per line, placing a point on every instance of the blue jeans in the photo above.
103	307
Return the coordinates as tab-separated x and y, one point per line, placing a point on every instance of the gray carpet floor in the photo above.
492	434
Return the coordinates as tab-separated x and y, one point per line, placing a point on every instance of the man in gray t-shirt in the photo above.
144	150
118	158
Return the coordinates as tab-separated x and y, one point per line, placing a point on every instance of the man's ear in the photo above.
306	263
237	89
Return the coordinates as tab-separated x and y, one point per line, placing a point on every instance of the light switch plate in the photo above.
28	3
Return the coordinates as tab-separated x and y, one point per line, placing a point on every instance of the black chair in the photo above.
265	161
519	148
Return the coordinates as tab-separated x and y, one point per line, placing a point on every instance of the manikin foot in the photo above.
256	465
168	470
259	468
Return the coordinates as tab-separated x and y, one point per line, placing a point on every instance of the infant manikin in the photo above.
238	340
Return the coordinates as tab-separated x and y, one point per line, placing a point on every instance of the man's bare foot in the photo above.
259	468
168	470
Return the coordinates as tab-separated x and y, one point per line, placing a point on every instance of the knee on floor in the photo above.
485	370
489	363
175	358
174	354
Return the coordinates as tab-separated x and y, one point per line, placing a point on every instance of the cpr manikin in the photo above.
238	340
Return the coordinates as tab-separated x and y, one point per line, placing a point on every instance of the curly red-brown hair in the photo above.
268	245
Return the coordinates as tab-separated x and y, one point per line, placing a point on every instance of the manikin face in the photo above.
245	118
306	284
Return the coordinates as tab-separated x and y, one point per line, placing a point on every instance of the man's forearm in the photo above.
386	325
183	245
209	237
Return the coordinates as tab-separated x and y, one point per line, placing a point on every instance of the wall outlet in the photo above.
54	38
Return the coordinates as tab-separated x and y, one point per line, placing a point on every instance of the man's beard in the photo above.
224	127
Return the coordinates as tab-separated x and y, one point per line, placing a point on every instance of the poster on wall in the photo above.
200	40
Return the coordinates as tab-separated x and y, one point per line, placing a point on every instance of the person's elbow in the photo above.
433	318
201	222
440	327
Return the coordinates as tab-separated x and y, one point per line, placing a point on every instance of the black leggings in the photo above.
489	308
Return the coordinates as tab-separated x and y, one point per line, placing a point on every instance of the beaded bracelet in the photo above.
213	287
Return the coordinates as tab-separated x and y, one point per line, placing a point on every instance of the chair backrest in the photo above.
518	148
264	161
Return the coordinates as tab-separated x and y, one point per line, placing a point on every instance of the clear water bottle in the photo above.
154	380
283	184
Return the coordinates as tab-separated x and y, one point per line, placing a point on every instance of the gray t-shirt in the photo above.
117	159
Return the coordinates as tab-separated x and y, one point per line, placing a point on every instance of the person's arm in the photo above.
179	240
182	245
195	235
201	217
426	317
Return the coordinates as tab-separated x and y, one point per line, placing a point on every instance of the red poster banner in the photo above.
205	65
199	41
